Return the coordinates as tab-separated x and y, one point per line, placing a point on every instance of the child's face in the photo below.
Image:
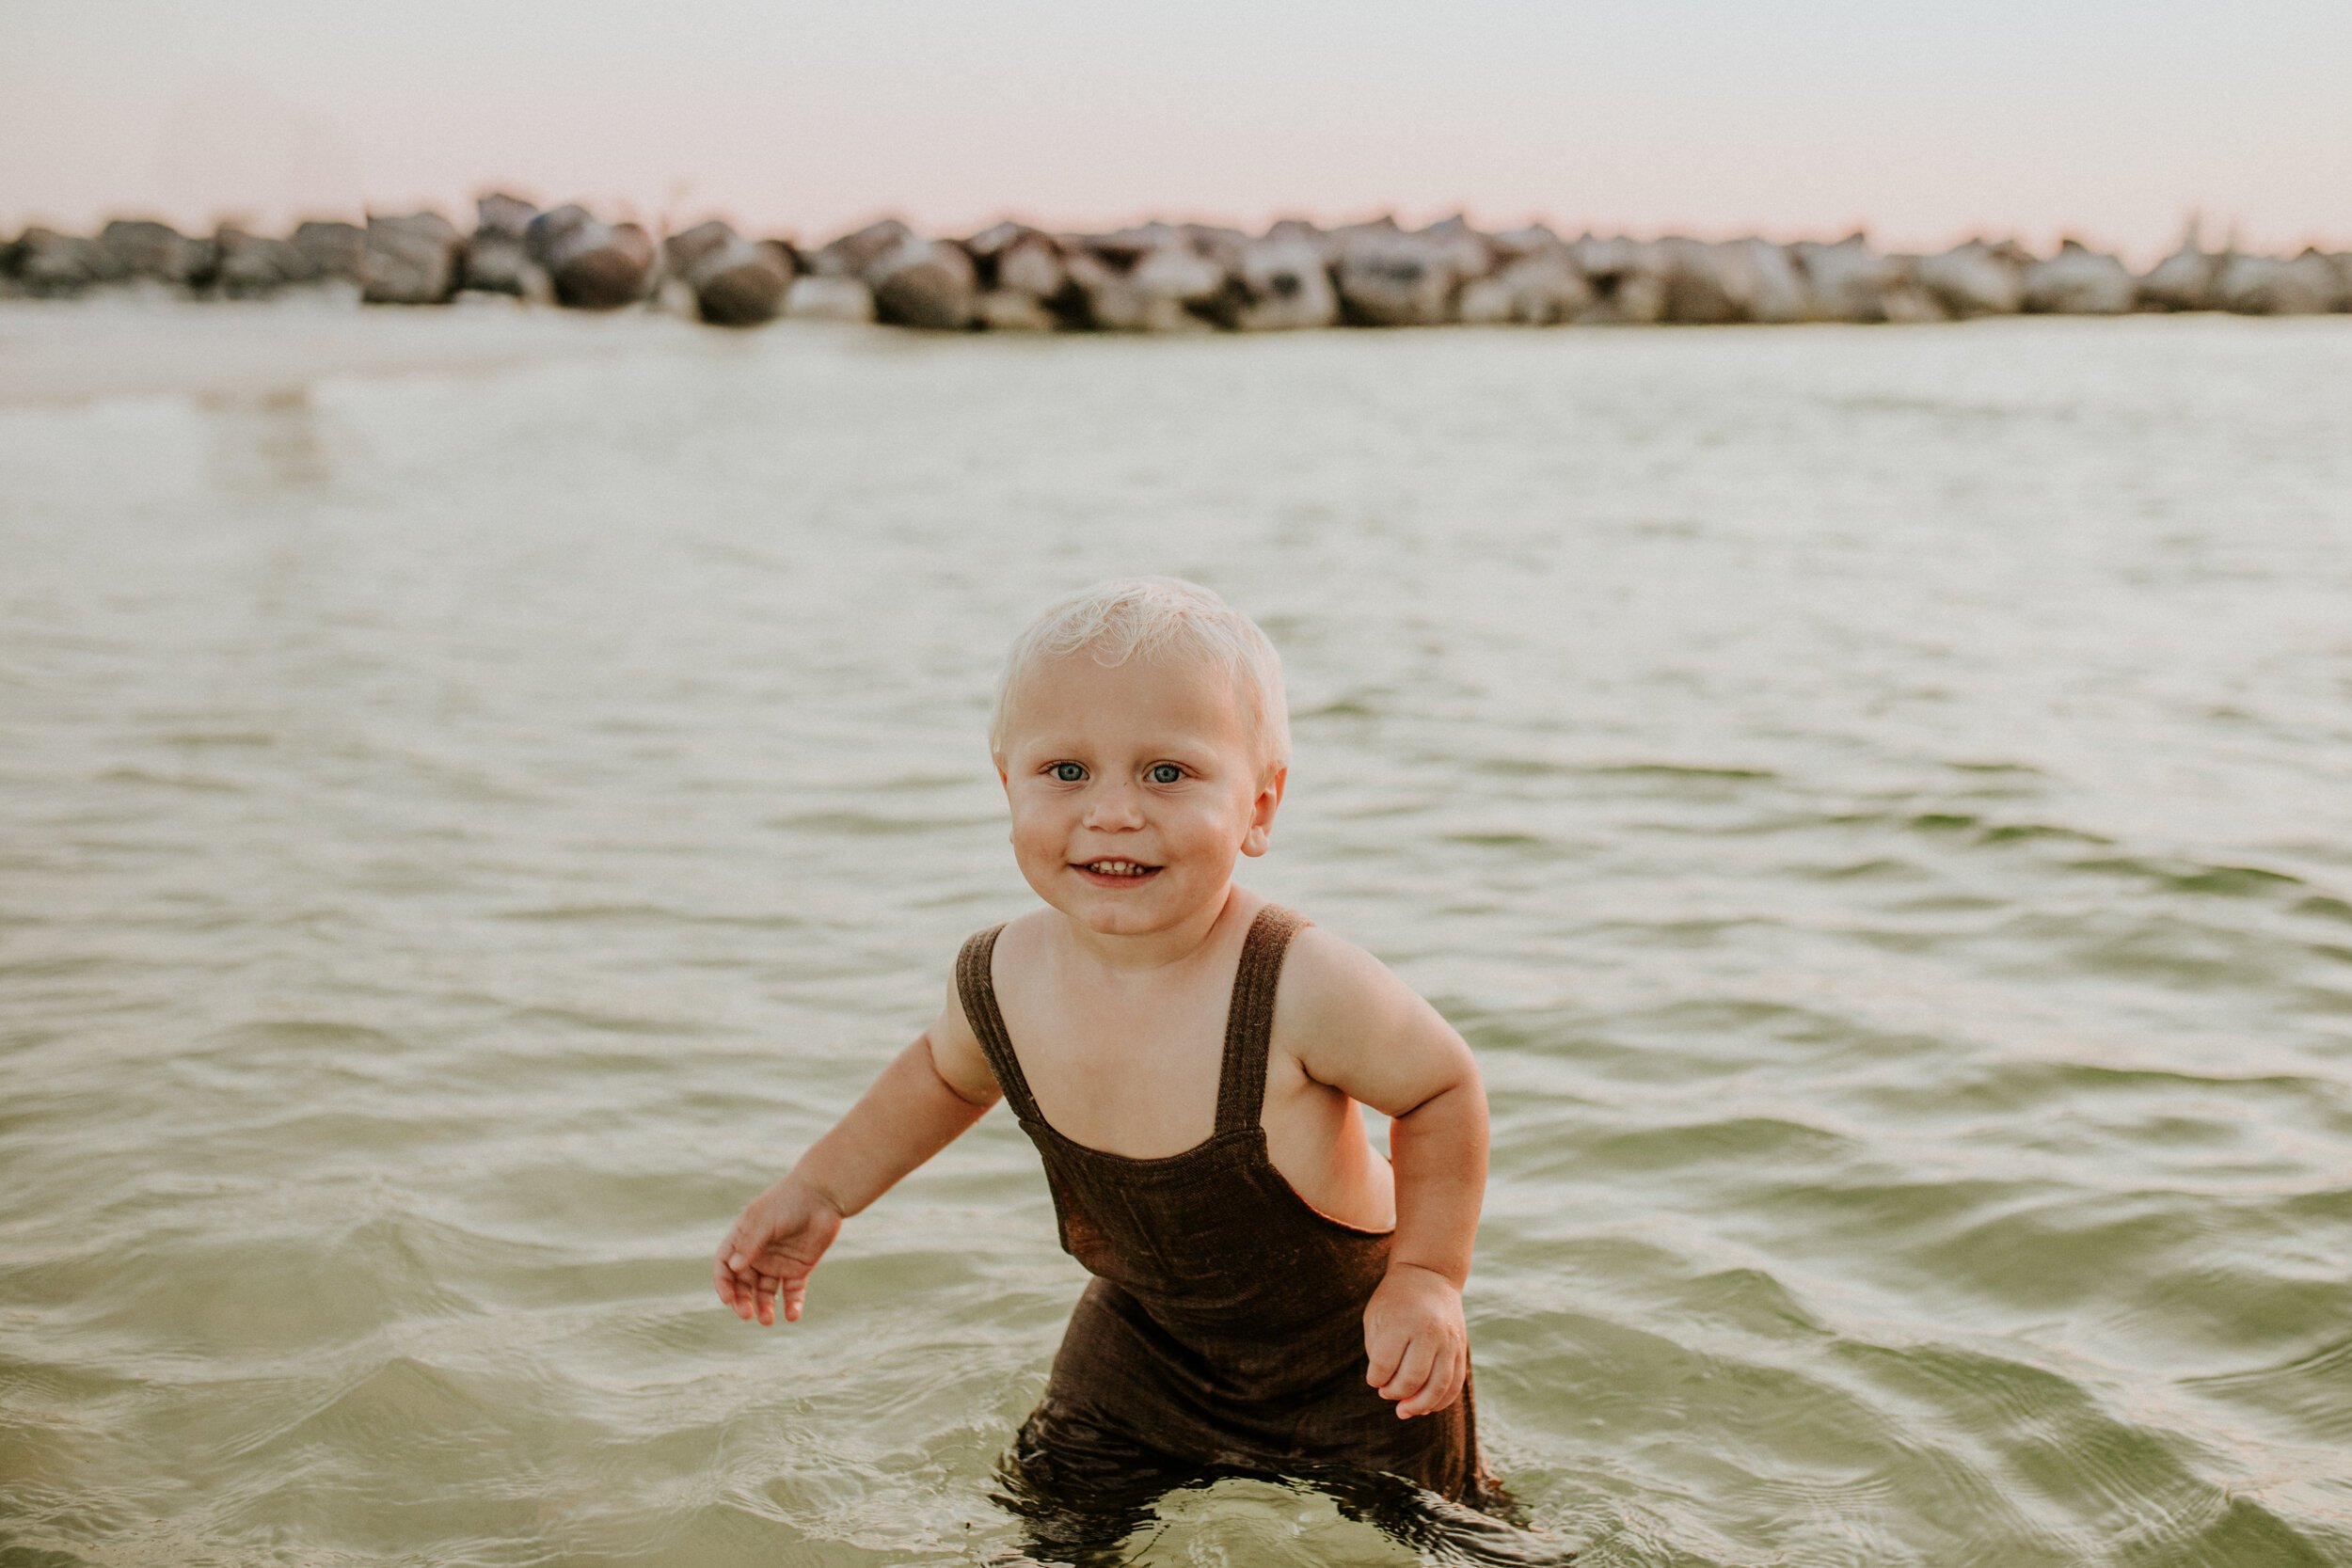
1132	788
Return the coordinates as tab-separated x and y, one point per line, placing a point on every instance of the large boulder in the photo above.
1698	291
1012	310
855	255
497	261
1627	278
593	265
141	247
2266	286
2078	281
1538	287
1388	277
48	264
1281	283
735	282
925	283
1165	286
2182	281
1973	279
412	259
330	249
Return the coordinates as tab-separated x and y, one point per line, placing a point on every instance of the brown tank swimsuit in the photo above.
1224	1324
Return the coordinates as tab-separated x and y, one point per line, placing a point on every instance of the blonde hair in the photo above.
1145	618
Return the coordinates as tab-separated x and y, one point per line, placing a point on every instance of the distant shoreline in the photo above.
1159	278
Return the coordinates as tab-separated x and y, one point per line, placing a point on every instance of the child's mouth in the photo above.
1116	873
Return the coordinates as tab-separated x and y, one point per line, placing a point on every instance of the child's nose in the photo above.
1114	804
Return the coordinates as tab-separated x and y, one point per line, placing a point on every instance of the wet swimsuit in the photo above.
1224	1324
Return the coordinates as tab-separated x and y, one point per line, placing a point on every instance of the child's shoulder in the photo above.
1331	986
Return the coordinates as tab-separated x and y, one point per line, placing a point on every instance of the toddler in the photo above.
1269	1295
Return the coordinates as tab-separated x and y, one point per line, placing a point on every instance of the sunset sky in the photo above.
1922	123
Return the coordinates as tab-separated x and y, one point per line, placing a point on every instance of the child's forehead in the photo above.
1077	689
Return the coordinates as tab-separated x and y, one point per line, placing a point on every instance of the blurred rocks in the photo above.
1389	278
497	261
734	281
329	249
1023	280
1628	280
1162	278
250	266
2264	286
924	283
2182	281
412	259
818	297
593	265
853	255
1974	280
48	263
1540	285
142	248
2078	281
1284	282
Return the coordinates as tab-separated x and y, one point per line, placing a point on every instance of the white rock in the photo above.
829	297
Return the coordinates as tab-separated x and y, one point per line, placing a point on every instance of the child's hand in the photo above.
1415	1340
771	1250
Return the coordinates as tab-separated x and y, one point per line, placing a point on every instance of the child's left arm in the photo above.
1364	1032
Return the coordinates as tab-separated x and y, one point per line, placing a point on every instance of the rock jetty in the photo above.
1160	277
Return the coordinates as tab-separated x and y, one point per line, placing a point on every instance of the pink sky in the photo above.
2112	120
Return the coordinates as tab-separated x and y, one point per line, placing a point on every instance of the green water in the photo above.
1876	799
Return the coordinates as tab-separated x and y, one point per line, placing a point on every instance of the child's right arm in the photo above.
924	1099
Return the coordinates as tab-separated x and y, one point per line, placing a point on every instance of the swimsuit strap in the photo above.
977	990
1250	1019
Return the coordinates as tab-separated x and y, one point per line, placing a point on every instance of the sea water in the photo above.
1878	801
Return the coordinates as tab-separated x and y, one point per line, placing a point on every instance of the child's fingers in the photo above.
1444	1386
1419	1358
1382	1352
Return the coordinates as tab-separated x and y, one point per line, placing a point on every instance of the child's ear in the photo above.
1261	811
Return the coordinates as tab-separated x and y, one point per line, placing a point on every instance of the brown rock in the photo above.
855	255
139	247
251	265
412	259
925	283
50	264
330	249
735	282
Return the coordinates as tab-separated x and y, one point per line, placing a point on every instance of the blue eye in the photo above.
1069	772
1166	772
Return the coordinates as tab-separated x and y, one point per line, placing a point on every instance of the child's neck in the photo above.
1143	952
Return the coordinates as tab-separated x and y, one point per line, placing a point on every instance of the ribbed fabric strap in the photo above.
1250	1019
978	994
